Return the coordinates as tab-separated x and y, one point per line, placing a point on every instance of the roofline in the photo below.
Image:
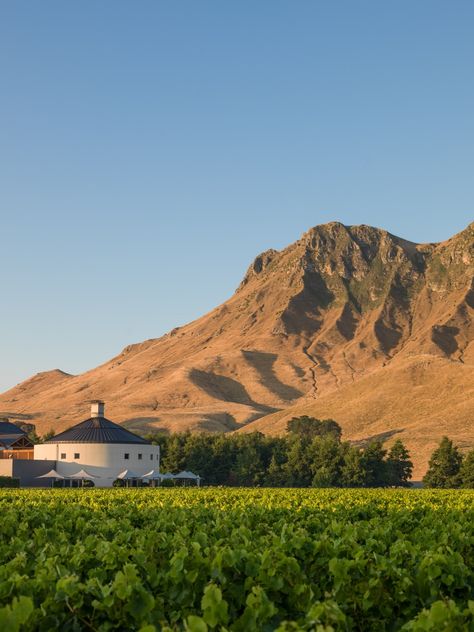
143	442
135	439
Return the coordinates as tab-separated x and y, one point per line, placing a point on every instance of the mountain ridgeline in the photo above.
349	322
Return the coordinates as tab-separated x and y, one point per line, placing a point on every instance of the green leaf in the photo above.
15	615
195	624
213	606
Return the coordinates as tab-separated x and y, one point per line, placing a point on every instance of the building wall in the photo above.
6	468
103	460
28	471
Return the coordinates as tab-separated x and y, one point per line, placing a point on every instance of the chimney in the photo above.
97	408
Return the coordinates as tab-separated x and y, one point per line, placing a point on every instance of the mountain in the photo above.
349	322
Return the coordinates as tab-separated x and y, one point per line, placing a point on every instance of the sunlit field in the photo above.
236	559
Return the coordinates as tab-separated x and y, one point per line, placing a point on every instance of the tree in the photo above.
298	464
276	476
399	465
310	454
34	437
467	470
198	456
249	468
444	466
352	469
224	451
49	435
374	465
173	457
308	427
326	460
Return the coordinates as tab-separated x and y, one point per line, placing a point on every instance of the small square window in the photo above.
151	457
140	457
77	455
126	456
63	455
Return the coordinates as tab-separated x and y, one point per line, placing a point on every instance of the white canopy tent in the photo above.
82	474
53	475
185	475
155	475
152	475
127	476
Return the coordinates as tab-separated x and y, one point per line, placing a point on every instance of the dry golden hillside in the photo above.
416	399
348	322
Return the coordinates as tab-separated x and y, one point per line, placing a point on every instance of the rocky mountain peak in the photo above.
259	265
318	323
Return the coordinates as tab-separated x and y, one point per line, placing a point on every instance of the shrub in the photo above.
9	481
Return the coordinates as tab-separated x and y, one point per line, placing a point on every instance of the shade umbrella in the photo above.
82	475
153	475
53	475
128	475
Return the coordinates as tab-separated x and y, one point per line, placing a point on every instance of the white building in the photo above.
101	447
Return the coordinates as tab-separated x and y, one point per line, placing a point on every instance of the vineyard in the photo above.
241	560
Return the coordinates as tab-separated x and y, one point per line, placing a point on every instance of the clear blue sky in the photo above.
149	150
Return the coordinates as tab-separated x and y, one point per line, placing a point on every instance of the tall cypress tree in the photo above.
399	465
444	466
374	465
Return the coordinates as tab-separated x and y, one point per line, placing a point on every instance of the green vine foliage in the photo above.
237	560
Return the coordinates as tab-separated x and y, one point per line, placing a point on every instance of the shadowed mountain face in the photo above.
331	311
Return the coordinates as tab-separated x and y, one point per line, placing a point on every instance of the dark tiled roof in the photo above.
7	441
7	428
97	430
10	434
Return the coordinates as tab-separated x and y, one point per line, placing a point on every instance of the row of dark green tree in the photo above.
310	454
449	468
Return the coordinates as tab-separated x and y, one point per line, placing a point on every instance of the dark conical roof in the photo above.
97	430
